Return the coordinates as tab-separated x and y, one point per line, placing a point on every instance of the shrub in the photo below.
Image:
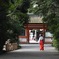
56	43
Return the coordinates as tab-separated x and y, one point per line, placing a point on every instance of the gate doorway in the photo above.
34	35
32	32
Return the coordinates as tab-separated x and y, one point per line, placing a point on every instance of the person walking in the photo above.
41	42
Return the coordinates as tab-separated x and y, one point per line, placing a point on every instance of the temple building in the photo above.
32	30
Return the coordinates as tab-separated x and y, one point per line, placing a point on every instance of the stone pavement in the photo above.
31	51
35	48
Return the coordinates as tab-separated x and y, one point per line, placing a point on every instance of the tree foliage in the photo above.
49	9
3	19
13	15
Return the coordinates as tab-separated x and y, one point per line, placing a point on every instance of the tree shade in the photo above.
12	19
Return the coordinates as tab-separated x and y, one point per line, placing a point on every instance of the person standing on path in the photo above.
41	42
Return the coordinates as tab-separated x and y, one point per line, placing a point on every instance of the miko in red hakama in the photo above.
41	45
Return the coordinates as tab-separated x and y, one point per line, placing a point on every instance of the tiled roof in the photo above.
35	19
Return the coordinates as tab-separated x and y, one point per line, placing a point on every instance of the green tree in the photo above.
13	15
3	19
18	16
49	10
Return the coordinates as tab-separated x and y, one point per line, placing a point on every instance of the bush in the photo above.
56	43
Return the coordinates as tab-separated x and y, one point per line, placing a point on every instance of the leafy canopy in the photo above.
49	10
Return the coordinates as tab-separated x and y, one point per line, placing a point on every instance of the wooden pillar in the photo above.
27	34
44	32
